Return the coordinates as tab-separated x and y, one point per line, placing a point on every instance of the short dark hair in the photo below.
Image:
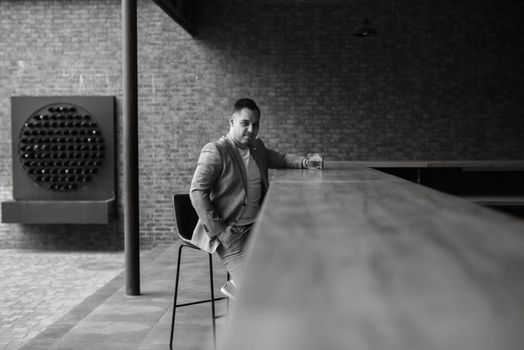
245	103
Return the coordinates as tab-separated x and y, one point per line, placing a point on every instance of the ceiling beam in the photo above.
181	11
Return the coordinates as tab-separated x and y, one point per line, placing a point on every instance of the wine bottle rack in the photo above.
63	158
61	147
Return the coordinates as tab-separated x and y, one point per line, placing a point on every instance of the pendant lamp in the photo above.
365	29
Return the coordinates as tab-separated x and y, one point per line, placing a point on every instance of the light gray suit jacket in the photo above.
219	186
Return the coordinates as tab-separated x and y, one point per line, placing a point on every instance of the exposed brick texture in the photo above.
442	80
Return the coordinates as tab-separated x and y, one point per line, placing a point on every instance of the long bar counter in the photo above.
463	164
353	258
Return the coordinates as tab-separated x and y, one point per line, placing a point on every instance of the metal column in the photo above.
130	110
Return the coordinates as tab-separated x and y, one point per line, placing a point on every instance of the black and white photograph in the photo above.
261	175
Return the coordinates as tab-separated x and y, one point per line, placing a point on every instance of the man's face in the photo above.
244	127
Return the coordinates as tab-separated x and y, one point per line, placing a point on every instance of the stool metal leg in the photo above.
227	301
175	297
212	299
213	315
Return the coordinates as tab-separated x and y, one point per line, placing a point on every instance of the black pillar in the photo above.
130	109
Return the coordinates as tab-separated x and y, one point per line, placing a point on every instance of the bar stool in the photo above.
186	220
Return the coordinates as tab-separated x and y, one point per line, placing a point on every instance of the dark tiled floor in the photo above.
109	319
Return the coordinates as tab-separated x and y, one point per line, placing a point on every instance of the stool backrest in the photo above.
186	216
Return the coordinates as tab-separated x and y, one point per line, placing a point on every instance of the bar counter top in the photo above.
464	164
352	258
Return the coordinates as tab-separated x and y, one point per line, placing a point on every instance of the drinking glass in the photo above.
315	161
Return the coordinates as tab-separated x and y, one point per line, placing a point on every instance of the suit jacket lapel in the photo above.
238	162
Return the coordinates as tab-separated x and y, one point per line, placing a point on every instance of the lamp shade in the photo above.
365	29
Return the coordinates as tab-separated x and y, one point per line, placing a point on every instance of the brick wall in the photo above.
440	81
56	48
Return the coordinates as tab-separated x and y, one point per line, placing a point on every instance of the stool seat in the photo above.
188	243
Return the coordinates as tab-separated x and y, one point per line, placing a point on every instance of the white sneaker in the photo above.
229	289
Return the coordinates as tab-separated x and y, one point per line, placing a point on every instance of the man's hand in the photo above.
313	161
226	232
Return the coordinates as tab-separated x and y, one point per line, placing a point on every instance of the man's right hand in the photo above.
225	233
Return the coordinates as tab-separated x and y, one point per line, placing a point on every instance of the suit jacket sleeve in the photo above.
207	172
277	160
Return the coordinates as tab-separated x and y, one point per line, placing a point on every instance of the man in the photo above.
229	185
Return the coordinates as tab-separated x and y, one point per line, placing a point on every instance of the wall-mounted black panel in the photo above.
63	148
63	152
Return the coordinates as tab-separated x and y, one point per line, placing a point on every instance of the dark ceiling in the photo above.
180	11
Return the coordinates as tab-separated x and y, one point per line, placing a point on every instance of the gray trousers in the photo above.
232	250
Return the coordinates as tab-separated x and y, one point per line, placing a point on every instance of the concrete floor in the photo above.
108	319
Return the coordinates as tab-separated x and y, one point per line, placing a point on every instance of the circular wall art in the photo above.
61	147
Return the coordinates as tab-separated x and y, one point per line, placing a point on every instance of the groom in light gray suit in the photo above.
229	185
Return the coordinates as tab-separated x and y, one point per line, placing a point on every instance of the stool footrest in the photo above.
199	302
